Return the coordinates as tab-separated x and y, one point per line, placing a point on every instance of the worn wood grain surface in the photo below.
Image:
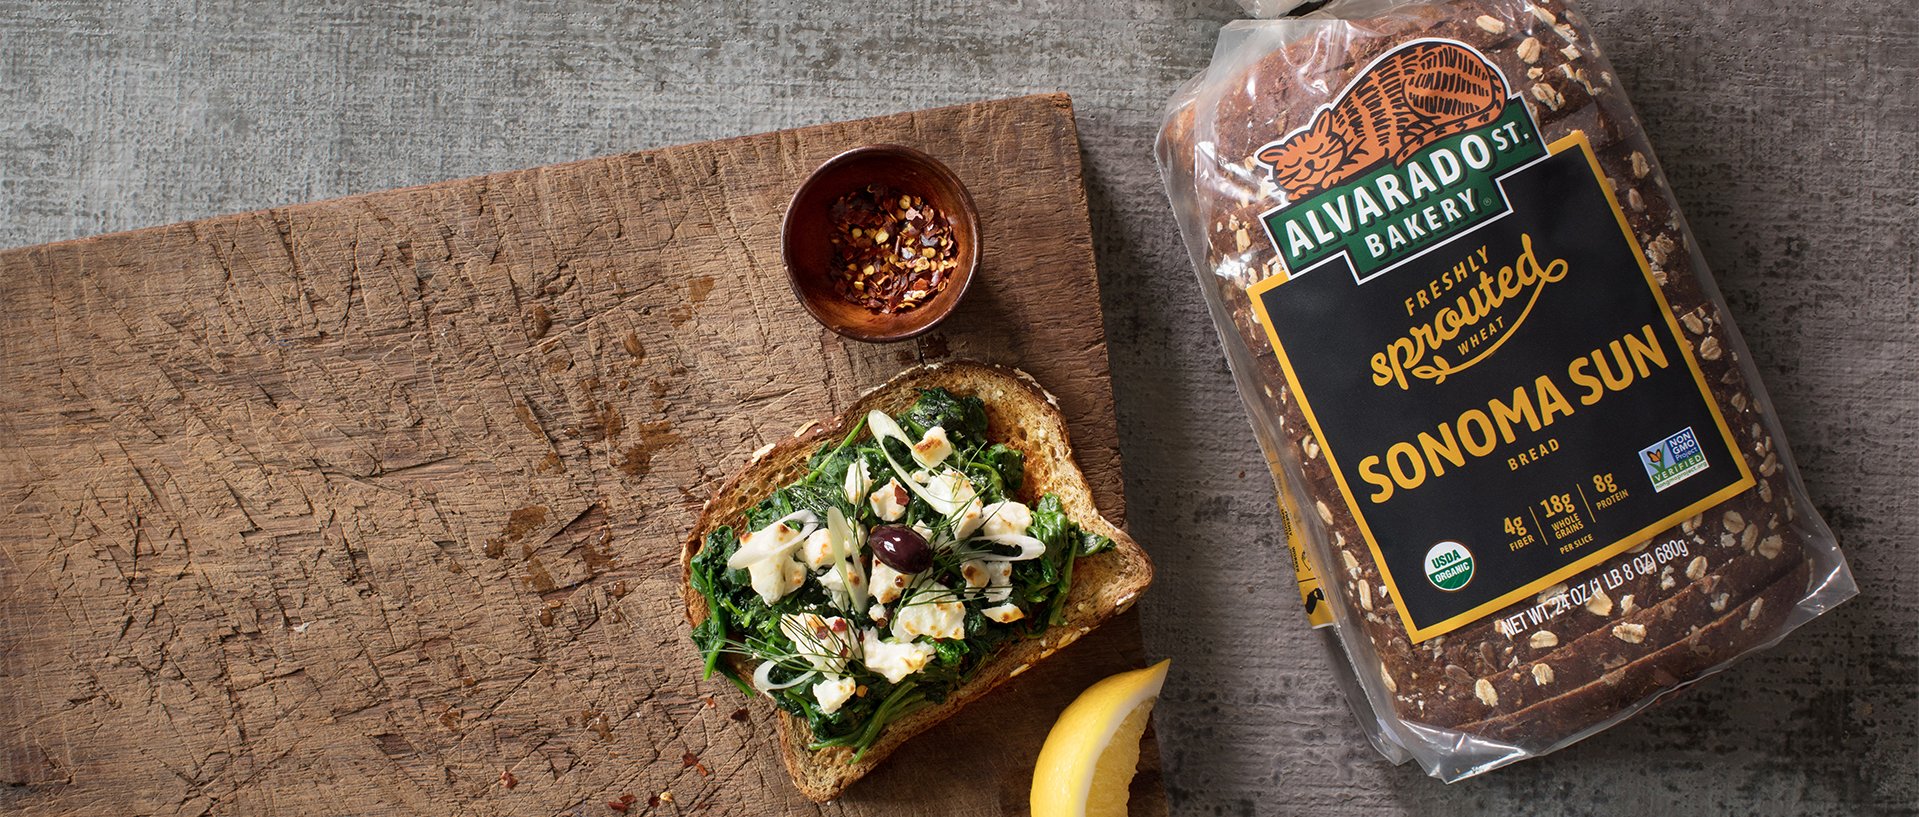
1788	129
379	500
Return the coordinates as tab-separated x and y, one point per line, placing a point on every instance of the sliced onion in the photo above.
764	548
952	490
1029	548
763	678
884	427
846	562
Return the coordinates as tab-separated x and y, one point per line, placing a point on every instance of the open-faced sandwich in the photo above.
873	574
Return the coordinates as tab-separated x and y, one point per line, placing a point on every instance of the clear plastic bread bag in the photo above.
1530	475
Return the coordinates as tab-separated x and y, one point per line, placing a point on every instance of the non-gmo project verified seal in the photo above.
1670	461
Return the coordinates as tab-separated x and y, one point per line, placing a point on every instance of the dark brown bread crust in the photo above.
1746	565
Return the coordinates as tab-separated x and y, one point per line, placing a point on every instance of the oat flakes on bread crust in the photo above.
1020	414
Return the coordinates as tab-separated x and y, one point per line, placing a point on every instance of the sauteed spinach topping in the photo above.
886	575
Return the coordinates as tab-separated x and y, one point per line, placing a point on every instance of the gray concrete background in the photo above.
1790	129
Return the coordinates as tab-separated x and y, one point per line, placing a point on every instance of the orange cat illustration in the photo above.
1410	98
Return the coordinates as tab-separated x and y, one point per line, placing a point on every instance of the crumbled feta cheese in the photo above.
889	502
893	659
824	642
767	555
1004	613
834	583
845	584
949	491
1008	518
974	572
859	481
969	520
932	610
774	578
832	693
996	575
818	549
887	582
999	581
933	448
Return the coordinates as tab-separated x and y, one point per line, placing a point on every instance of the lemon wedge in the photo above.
1087	764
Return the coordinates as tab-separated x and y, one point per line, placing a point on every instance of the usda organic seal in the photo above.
1449	566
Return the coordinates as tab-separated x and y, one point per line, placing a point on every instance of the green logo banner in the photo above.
1397	211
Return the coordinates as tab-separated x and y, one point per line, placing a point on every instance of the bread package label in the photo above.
1477	341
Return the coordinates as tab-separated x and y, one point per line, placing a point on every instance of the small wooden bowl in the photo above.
805	238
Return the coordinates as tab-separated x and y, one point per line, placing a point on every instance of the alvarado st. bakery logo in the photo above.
1406	157
1516	365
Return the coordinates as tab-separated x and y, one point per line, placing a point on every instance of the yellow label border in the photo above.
1416	634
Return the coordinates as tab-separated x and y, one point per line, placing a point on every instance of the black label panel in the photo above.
1511	406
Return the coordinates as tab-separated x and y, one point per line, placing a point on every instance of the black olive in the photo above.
900	548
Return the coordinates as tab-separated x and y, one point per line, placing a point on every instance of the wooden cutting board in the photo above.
352	506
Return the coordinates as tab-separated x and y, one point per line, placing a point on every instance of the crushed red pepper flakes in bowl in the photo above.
892	208
891	250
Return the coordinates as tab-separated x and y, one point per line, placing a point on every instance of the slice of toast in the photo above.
1023	416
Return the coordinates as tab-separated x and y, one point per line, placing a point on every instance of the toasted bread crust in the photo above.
1020	414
